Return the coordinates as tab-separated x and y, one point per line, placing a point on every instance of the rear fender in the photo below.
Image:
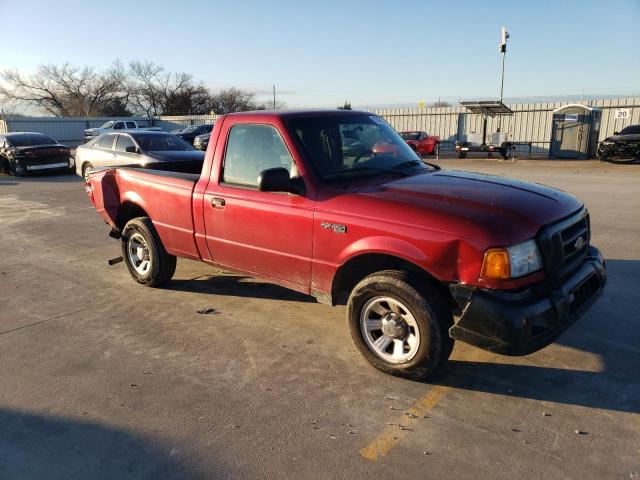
104	193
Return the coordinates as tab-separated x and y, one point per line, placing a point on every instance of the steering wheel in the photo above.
364	152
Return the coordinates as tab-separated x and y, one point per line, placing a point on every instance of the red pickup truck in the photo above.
336	205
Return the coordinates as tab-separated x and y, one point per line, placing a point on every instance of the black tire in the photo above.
436	150
163	265
603	157
85	167
13	171
428	307
462	154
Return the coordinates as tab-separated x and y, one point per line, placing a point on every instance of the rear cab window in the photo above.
131	125
252	148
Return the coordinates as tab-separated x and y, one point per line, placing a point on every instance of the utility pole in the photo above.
274	97
503	50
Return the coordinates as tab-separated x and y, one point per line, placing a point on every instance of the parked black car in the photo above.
622	147
190	133
30	152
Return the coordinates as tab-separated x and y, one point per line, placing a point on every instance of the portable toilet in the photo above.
574	132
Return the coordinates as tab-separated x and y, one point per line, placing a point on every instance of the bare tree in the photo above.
440	104
65	90
143	88
232	99
159	92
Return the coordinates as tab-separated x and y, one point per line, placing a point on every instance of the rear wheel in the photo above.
400	325
436	150
146	259
462	154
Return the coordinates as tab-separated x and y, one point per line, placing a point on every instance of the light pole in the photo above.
503	50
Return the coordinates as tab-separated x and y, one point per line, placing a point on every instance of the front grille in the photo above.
575	243
565	244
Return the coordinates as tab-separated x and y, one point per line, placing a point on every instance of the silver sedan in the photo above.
158	150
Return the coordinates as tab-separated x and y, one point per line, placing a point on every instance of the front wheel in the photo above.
436	150
400	325
13	169
462	154
85	171
146	259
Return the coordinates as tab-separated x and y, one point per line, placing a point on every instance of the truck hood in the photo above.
513	210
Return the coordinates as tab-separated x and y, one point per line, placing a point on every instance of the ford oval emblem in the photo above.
579	243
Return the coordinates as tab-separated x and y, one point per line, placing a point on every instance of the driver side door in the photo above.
267	234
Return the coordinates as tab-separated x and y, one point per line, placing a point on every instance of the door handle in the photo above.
217	202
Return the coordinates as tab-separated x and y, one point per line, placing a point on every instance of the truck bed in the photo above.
165	196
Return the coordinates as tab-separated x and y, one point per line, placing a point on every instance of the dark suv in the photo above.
621	147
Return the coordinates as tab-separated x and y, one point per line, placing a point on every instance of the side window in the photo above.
123	142
118	126
252	149
131	125
422	136
106	142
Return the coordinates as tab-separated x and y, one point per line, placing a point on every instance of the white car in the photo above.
112	125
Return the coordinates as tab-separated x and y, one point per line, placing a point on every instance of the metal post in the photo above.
274	97
504	54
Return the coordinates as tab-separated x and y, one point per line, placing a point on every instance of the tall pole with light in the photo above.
504	35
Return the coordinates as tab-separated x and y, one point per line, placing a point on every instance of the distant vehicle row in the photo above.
139	149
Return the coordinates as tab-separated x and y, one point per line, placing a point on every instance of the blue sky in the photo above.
325	52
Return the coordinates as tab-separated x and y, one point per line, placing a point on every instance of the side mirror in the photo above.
276	180
131	149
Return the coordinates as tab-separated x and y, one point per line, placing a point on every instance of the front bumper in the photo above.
519	323
41	166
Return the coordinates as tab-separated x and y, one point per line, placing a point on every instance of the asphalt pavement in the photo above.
103	378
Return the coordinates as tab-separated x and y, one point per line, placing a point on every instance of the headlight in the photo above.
512	262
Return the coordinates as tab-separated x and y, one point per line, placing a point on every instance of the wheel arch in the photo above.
128	211
360	266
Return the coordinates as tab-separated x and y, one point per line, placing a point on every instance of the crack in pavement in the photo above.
43	321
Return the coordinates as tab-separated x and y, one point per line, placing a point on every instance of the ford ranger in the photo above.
336	205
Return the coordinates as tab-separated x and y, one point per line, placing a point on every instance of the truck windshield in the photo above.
346	146
158	142
108	124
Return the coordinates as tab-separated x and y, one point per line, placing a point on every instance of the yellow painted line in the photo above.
391	435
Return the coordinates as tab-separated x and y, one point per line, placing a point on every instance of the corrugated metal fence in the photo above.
531	122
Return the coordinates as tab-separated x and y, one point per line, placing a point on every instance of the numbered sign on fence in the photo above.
622	113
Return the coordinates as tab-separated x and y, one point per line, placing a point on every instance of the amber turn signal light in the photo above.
496	264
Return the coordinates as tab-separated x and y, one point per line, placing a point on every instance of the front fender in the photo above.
384	245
